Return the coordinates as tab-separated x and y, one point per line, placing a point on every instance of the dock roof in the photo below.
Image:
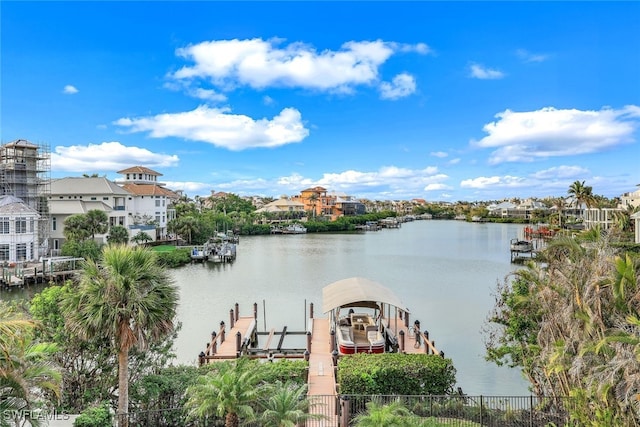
357	292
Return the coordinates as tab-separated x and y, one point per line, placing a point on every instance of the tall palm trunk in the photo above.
123	388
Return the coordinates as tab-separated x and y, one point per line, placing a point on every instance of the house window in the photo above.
4	225
127	177
157	203
139	176
4	252
163	202
105	198
54	223
94	198
56	244
31	221
21	251
158	219
21	225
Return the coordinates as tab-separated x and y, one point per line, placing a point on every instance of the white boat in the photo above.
357	315
294	229
521	245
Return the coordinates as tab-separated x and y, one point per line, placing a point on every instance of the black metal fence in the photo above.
454	411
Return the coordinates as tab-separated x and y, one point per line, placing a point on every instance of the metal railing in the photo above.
453	410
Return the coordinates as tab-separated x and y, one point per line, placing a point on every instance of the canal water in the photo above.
445	272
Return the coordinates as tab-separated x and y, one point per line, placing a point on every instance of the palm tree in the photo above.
313	198
228	392
128	298
286	406
141	236
581	194
118	235
394	414
97	222
26	371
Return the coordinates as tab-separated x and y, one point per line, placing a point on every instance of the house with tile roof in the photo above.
149	203
78	195
18	231
282	205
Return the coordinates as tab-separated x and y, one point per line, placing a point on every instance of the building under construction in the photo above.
25	174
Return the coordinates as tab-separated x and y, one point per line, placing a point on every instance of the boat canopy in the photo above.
357	292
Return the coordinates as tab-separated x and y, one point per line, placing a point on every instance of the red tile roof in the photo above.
140	169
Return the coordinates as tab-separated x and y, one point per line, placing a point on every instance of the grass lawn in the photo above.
164	248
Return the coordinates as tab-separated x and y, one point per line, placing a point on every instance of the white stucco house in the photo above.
18	231
78	195
149	202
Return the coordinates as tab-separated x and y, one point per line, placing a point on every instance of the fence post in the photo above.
481	410
232	318
345	409
255	311
222	332
401	333
238	343
332	339
237	312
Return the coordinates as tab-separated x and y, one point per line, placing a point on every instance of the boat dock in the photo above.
241	339
54	269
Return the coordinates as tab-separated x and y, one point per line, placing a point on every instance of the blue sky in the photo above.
382	100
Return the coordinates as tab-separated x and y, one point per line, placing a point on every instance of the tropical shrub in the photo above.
98	416
396	373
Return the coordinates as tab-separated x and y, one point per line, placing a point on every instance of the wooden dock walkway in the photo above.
321	354
321	381
411	339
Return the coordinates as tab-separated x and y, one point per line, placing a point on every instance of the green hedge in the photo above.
396	373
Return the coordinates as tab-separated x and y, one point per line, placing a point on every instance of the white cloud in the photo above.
527	56
222	129
188	187
561	172
440	154
527	136
454	161
69	90
267	100
484	182
437	187
478	71
207	94
402	85
262	63
107	156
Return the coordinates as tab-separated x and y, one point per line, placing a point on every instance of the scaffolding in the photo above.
25	173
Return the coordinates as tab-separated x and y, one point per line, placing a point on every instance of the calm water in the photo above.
445	272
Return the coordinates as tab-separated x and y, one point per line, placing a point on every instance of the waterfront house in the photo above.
284	207
344	205
631	198
150	204
78	195
18	233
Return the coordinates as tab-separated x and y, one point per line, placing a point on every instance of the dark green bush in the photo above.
175	258
396	373
98	416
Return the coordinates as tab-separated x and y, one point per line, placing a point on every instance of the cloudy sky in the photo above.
380	100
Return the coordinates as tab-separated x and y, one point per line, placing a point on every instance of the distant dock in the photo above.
18	275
